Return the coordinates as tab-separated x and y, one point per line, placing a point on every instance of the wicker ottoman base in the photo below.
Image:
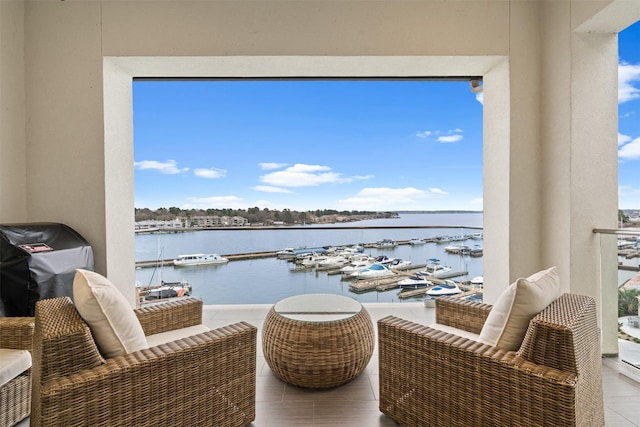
318	353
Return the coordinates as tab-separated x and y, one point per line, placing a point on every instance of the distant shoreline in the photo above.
439	212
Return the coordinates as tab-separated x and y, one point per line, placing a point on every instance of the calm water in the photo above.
266	281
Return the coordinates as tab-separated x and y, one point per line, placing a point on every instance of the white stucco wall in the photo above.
540	133
13	179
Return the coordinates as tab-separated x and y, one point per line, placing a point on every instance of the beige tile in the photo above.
284	414
350	413
269	389
357	389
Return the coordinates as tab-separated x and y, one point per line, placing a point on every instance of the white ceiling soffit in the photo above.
305	66
615	17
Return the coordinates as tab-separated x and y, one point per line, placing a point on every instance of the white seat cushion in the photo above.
509	318
13	363
114	325
176	334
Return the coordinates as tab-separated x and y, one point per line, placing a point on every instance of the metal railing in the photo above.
619	264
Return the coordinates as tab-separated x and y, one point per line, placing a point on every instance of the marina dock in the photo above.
256	255
230	257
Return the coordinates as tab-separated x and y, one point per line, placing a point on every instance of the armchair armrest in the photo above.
16	332
205	380
170	315
474	383
462	314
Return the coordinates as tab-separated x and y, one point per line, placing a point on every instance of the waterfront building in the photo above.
215	221
154	224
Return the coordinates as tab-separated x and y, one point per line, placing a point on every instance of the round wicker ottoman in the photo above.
317	340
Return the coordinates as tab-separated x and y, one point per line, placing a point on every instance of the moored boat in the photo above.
416	281
449	287
435	269
386	244
354	266
198	259
476	251
374	271
166	290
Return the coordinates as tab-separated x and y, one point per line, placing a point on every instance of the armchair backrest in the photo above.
564	336
62	345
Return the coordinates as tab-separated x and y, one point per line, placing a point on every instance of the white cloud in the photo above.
210	173
627	74
437	191
450	138
302	175
215	202
630	150
271	166
442	136
623	139
480	98
270	189
169	167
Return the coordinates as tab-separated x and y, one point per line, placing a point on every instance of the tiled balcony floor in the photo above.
356	404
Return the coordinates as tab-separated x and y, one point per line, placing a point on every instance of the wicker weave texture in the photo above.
317	354
433	378
15	396
170	315
204	380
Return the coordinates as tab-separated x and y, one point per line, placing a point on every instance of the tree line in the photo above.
255	215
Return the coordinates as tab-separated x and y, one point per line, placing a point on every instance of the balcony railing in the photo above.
620	267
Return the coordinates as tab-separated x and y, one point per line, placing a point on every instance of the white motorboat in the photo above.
443	239
331	262
416	281
386	244
356	265
416	241
398	263
435	269
311	260
477	281
198	259
392	262
286	253
374	271
453	249
449	287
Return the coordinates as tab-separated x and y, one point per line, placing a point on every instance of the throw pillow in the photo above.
113	323
509	318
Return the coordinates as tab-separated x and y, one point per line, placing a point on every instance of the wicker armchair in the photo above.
15	395
434	378
207	379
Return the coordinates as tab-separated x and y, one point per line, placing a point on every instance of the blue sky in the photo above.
345	145
629	118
